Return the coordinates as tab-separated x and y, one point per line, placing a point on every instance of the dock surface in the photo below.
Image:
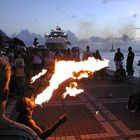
99	113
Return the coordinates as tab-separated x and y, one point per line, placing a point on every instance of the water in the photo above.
110	55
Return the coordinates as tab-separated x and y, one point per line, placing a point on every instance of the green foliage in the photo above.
16	42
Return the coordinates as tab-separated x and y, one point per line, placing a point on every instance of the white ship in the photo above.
57	39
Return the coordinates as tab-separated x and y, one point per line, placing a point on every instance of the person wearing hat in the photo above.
25	108
10	130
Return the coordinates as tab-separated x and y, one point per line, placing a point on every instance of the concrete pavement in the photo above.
97	114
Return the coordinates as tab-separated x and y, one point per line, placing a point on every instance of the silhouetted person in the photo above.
97	55
68	55
10	130
25	108
58	55
87	53
134	101
35	42
129	62
118	58
37	63
100	73
75	53
120	74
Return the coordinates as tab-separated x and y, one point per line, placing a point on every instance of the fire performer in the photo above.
25	108
8	128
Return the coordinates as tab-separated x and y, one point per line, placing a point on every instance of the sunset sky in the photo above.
83	17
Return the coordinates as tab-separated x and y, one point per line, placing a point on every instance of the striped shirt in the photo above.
17	131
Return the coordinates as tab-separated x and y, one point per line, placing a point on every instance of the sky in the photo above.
85	18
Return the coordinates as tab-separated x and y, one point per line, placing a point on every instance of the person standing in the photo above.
87	53
25	107
37	62
10	130
97	55
19	73
129	62
118	58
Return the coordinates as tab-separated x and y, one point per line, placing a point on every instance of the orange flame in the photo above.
33	79
72	90
68	69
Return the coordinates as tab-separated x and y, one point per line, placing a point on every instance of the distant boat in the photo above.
57	39
112	48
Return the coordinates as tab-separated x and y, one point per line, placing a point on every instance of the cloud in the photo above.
73	16
135	15
94	42
28	37
107	1
72	37
127	29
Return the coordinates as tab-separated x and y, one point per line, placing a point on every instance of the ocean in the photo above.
110	56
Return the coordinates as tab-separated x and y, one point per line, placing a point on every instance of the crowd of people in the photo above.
120	73
10	129
27	63
17	68
16	131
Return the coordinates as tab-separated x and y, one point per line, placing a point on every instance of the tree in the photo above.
16	42
2	42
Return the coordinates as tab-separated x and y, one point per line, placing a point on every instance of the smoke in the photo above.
85	30
72	37
110	31
135	15
127	29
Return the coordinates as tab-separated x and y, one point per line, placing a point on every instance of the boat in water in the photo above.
57	39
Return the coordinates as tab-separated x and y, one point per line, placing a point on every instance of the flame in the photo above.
33	79
70	69
72	90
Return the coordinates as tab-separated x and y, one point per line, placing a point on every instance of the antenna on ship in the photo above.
57	27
